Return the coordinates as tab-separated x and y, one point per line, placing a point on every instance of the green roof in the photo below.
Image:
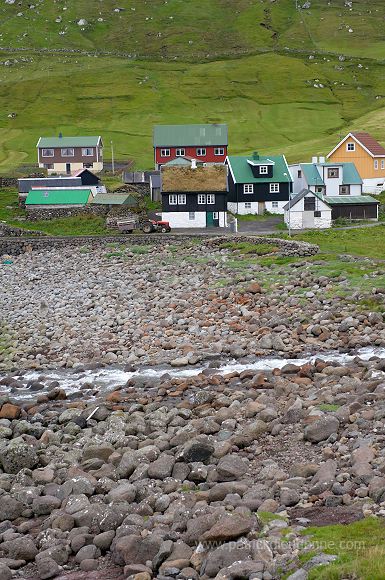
58	196
242	172
178	161
350	199
114	199
311	174
190	135
350	175
68	141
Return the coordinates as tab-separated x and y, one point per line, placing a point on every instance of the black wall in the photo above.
256	169
355	212
192	203
261	192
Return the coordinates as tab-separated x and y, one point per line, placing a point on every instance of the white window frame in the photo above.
191	216
66	152
274	204
173	199
88	165
382	163
263	170
215	215
85	151
201	199
165	153
181	199
247	187
219	151
376	164
350	147
274	187
49	166
247	204
48	153
201	151
180	152
210	198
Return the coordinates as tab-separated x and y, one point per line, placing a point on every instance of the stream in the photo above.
108	378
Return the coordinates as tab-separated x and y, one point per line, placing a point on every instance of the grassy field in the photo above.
199	61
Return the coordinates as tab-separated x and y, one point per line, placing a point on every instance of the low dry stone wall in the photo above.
13	232
36	214
15	246
8	182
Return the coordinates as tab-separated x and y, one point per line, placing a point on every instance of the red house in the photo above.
205	143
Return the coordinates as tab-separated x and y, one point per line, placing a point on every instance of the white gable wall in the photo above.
299	183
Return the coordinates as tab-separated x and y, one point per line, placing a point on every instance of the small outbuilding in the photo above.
308	209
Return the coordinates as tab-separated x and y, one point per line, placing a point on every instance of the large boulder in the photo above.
135	549
20	549
231	468
161	467
198	450
322	428
224	556
18	455
229	528
10	508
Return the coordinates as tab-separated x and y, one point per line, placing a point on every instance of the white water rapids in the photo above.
109	378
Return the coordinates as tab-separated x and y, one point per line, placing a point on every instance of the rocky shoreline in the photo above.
214	475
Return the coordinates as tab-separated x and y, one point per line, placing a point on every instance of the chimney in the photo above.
314	160
322	159
193	163
255	155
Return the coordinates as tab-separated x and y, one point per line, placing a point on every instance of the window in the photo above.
247	204
333	172
182	199
210	198
180	152
263	170
344	190
88	152
191	215
248	188
48	165
219	151
68	152
350	147
48	153
317	214
299	174
201	198
319	189
215	215
201	152
376	164
274	187
274	204
88	165
382	163
165	152
309	204
173	199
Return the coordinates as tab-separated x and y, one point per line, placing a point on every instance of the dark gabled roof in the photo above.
53	142
190	135
241	171
302	194
369	143
80	172
25	184
200	179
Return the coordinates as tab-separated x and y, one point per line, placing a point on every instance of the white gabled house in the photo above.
330	179
308	209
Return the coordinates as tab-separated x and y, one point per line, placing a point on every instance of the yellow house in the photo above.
367	155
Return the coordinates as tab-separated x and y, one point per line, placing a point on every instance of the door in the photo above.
308	219
209	219
68	167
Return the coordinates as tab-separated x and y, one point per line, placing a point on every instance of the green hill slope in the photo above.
283	79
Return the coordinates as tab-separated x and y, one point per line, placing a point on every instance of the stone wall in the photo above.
41	213
8	182
13	232
15	246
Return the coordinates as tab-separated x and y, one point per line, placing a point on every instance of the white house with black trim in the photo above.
258	183
308	209
194	197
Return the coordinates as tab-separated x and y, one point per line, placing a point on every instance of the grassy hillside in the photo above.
275	75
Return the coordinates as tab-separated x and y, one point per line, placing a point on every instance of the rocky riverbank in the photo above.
214	475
